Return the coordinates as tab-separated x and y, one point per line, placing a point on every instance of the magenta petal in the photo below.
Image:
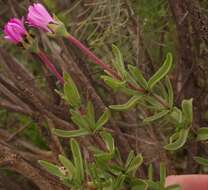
39	17
14	30
43	12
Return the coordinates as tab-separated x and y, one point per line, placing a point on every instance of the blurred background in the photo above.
144	30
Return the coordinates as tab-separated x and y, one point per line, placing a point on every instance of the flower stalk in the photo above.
92	56
44	58
16	33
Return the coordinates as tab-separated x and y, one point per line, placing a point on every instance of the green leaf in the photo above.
202	134
162	174
51	168
115	169
150	101
79	120
200	160
138	76
109	141
69	134
131	103
150	172
177	115
173	187
118	183
103	157
182	137
71	93
156	116
129	159
119	62
170	92
135	163
162	72
153	185
90	115
68	165
129	91
103	119
78	161
174	137
187	109
113	83
138	184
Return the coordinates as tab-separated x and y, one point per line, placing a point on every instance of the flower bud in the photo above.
39	17
15	31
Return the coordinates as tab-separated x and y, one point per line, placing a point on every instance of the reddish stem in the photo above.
92	56
98	61
44	58
106	67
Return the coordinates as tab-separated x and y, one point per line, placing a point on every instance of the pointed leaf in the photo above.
109	141
119	62
51	168
129	159
79	120
71	93
78	161
183	134
150	172
103	119
162	72
138	76
162	174
113	83
170	92
69	134
135	163
68	165
90	115
118	183
131	103
156	116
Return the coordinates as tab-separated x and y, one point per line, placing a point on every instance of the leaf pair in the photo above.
71	93
159	185
157	77
86	123
72	173
132	163
101	156
184	118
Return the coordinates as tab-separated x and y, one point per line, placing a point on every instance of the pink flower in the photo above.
14	30
39	17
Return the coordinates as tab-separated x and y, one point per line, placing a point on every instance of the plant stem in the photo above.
97	60
92	56
106	67
44	58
